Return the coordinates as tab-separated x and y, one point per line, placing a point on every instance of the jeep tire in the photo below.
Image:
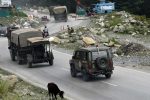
108	75
51	62
73	71
85	75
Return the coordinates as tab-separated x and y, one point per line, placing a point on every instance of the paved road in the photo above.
125	84
59	26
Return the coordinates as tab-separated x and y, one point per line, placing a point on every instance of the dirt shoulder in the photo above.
14	88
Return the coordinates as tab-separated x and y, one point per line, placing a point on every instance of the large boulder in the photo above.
55	40
88	40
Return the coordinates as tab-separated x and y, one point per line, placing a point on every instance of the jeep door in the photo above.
77	60
80	59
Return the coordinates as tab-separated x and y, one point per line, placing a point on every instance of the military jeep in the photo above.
40	51
92	61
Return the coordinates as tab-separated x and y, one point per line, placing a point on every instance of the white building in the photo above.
6	2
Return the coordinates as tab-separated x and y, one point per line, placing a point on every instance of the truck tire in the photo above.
73	71
18	59
29	64
85	75
51	62
12	55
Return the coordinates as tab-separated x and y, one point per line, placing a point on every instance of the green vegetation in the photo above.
70	46
20	90
18	14
7	20
4	86
116	20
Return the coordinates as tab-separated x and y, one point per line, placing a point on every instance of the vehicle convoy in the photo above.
60	13
21	46
92	61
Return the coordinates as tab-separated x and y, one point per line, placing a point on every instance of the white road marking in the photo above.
62	52
109	83
142	72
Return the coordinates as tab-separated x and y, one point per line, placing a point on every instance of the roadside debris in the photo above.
88	41
130	48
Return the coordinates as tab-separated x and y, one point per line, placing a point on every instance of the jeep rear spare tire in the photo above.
101	63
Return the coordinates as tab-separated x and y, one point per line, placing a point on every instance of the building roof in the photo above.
5	6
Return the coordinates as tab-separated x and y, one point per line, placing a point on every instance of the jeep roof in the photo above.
94	49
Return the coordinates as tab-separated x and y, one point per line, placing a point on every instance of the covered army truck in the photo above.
17	43
60	13
40	51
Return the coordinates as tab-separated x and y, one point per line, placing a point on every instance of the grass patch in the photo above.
70	46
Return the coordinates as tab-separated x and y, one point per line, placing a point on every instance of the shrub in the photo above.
4	88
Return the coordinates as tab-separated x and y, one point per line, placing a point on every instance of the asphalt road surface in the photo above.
125	84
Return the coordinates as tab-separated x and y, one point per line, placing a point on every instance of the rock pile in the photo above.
130	48
122	22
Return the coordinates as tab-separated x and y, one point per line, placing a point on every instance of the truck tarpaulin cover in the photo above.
19	37
59	9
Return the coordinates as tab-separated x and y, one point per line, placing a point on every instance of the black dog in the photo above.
53	91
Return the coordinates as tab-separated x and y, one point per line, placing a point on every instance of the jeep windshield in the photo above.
96	54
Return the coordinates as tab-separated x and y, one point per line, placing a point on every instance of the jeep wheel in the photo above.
51	62
108	75
73	71
85	75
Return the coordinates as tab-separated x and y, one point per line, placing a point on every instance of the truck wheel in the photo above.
85	75
12	55
29	64
108	75
73	71
18	60
51	62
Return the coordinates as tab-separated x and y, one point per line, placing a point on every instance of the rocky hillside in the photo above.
30	3
127	34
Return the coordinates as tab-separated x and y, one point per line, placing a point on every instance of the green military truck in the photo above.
40	51
19	45
60	13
